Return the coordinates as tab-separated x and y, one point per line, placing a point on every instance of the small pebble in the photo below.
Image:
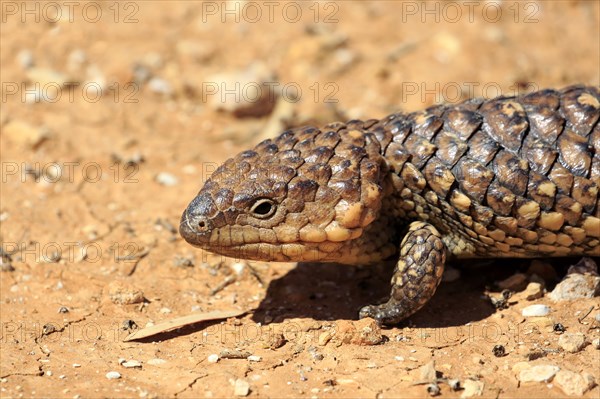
539	373
160	86
534	291
472	388
254	358
130	364
596	343
213	358
573	384
558	327
167	179
23	133
581	281
113	375
25	59
63	309
76	365
427	372
241	388
535	310
571	342
122	293
156	361
454	384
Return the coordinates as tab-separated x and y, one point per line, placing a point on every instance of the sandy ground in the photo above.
113	114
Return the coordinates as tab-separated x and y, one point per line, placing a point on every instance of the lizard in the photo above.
512	176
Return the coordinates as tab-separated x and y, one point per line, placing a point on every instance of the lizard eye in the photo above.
263	208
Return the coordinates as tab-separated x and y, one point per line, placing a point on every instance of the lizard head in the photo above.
308	195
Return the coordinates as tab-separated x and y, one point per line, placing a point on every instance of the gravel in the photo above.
572	342
535	310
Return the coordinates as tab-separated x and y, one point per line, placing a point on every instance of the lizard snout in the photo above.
195	227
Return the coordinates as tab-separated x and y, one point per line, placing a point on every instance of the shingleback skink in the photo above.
505	177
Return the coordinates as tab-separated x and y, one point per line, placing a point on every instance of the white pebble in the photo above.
156	362
535	310
238	267
113	375
572	342
539	373
167	179
241	388
254	358
132	364
76	365
213	358
160	86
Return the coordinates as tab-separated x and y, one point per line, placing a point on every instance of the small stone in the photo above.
241	388
574	384
213	358
454	384
244	93
23	133
534	291
596	343
113	375
315	354
427	372
572	342
167	179
160	86
558	327
539	373
132	364
25	59
516	282
156	361
76	365
581	281
362	332
165	310
63	309
472	388
535	311
325	337
122	293
238	267
254	358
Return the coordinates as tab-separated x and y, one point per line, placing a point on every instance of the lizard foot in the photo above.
416	276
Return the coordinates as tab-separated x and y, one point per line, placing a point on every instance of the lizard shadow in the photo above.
330	292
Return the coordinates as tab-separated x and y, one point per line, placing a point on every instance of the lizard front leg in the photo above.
416	276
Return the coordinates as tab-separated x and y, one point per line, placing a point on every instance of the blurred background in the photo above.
114	113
